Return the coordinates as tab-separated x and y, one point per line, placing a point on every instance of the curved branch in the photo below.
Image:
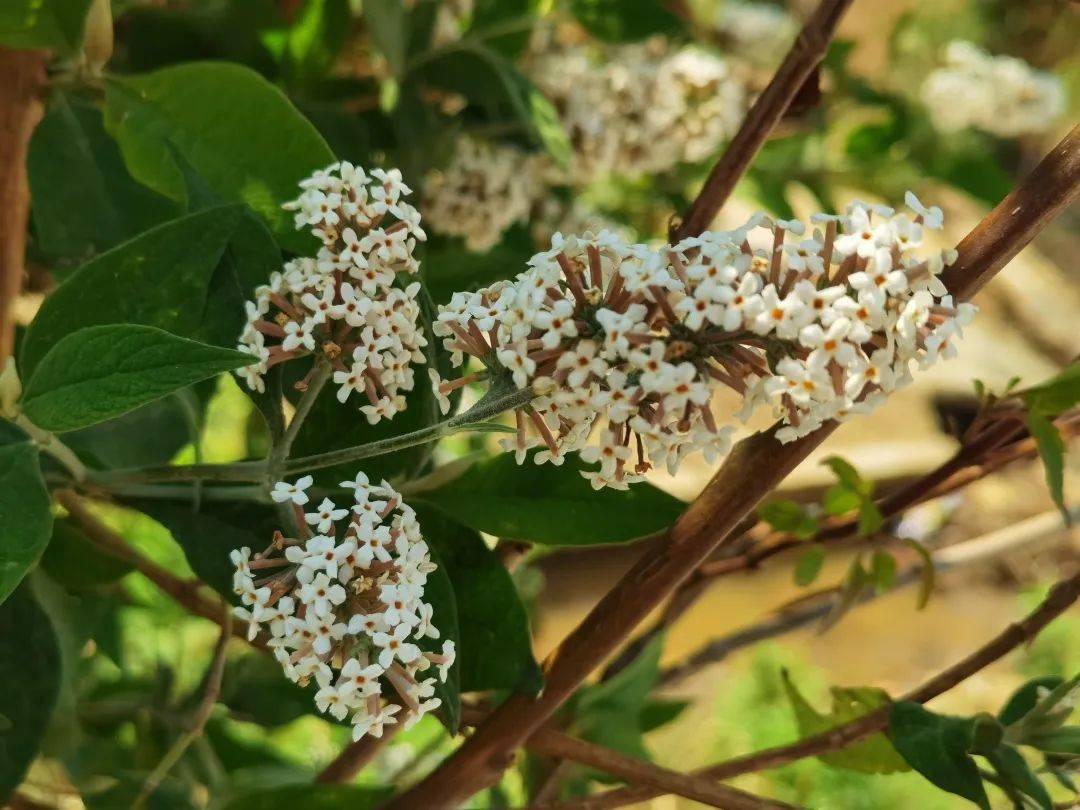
1061	597
755	467
968	552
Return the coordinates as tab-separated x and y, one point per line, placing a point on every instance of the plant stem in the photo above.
969	552
755	467
280	452
495	402
198	721
54	447
1061	597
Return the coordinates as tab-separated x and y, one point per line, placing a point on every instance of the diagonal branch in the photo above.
755	467
1061	597
969	464
804	57
189	594
969	552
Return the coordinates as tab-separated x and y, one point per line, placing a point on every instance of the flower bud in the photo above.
98	36
10	390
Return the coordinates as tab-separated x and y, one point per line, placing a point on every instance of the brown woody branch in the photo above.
969	552
1061	597
189	594
551	742
755	467
969	464
798	66
21	88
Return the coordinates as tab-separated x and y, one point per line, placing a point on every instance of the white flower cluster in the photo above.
484	190
758	32
999	94
344	303
815	328
640	108
345	605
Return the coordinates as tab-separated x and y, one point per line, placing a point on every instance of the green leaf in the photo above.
610	713
55	25
1052	452
875	754
625	20
789	516
255	690
839	500
25	514
927	574
504	25
448	266
161	278
83	199
76	563
870	518
492	84
316	38
1017	775
852	590
387	23
551	505
657	713
849	476
495	650
548	127
441	595
1024	699
1063	741
938	747
103	371
809	565
1057	395
208	535
239	132
310	797
883	570
30	672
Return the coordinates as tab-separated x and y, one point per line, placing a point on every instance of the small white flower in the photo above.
284	491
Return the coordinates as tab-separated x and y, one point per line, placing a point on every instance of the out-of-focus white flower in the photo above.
1002	95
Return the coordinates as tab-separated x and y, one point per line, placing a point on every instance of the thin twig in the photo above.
1061	597
315	385
190	594
968	552
806	53
211	691
755	467
556	744
475	419
961	470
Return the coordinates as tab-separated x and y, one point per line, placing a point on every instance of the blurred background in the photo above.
514	119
